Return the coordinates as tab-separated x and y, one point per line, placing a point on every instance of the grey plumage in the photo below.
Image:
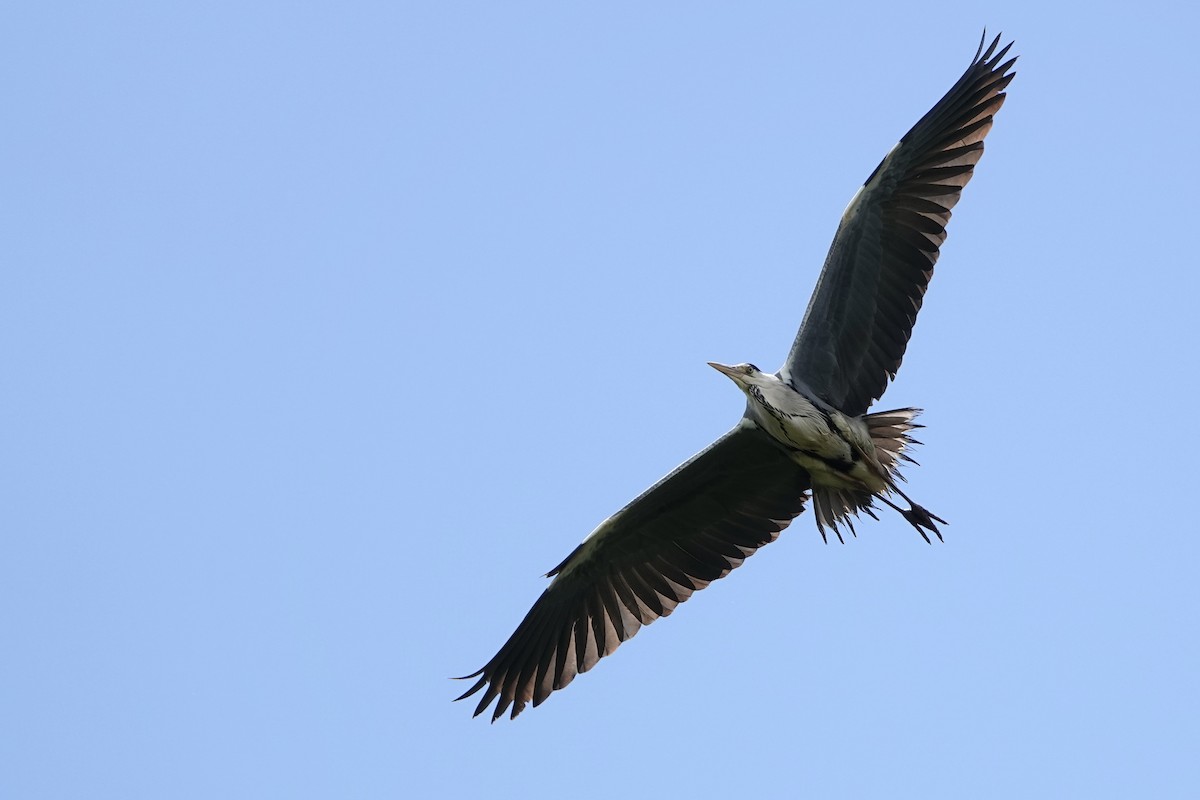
805	428
862	312
691	528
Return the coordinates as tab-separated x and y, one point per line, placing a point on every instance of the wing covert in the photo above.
863	309
691	528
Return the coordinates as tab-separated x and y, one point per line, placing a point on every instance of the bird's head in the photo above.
744	375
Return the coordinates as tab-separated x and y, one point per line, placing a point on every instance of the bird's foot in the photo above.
922	519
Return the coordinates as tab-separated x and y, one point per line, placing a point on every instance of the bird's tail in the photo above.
889	431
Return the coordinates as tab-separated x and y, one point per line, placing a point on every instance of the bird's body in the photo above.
851	460
835	450
806	433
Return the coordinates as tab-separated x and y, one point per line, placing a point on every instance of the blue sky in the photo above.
326	330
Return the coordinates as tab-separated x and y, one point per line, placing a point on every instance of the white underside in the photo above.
800	426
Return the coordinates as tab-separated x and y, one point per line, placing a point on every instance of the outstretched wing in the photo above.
689	529
862	312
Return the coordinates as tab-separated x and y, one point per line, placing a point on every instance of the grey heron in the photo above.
806	430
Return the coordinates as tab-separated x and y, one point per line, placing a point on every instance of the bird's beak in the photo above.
726	370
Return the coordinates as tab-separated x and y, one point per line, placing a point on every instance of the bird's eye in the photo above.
751	368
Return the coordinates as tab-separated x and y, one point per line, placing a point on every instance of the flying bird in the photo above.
805	432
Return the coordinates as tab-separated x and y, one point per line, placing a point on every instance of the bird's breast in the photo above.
795	421
828	444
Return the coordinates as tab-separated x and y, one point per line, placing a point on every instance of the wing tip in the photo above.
991	57
474	688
